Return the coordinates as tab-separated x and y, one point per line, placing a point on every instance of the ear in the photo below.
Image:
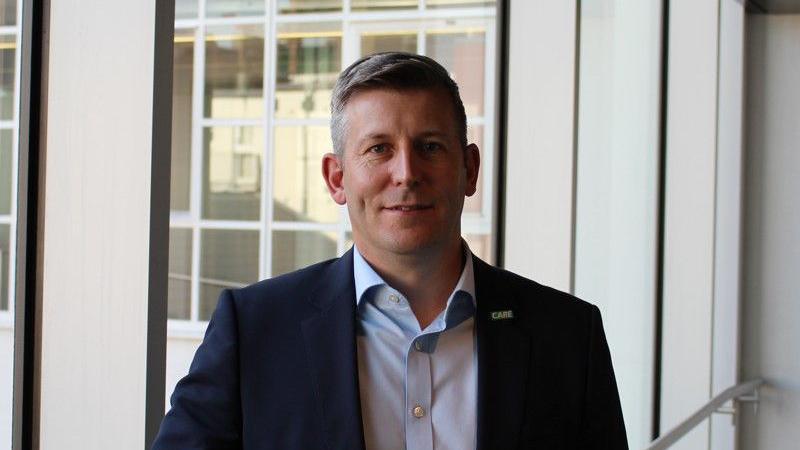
333	172
472	162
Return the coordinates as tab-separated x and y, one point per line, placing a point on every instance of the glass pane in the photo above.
362	5
234	8
6	335
480	245
8	49
8	105
234	72
401	41
185	9
8	12
462	53
181	120
292	250
300	193
6	156
5	268
348	240
474	204
180	271
229	259
309	60
617	190
458	3
232	172
305	6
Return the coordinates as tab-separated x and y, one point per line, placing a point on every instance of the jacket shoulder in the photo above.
292	283
533	299
278	302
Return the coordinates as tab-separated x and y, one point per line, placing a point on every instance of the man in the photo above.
408	340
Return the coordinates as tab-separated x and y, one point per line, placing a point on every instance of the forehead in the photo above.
400	110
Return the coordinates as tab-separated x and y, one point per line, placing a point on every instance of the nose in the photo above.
405	166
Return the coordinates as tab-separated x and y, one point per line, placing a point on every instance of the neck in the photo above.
426	279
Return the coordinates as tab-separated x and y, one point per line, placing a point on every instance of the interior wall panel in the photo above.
97	227
728	230
540	140
689	210
770	307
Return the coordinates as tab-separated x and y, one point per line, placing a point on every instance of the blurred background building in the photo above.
641	154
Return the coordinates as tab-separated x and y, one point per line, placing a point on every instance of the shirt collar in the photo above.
365	276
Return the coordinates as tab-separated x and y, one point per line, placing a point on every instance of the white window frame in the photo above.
352	23
7	315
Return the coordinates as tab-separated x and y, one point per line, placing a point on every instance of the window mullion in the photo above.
270	71
196	177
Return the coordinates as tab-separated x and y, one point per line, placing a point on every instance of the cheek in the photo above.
368	185
359	192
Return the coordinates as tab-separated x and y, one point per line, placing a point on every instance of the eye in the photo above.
430	147
377	149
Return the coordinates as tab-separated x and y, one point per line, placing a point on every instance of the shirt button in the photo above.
418	345
418	412
394	299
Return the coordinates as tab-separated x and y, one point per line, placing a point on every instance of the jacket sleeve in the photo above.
206	408
604	425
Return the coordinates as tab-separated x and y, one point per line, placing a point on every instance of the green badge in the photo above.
501	315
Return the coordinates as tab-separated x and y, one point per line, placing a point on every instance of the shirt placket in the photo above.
418	384
419	428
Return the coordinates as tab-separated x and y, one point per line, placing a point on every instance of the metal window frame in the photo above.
32	79
160	167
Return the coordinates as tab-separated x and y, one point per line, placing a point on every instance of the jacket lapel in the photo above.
330	342
503	361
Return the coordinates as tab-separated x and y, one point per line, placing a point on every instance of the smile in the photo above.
409	208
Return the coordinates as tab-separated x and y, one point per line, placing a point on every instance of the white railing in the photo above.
738	393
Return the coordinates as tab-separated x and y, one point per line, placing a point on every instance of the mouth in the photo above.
409	208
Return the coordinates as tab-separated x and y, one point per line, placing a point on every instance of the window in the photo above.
252	89
10	37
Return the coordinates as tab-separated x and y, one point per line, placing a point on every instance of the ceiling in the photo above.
775	6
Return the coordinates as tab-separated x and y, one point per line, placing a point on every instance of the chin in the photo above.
409	244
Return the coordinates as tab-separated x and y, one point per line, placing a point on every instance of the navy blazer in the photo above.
277	368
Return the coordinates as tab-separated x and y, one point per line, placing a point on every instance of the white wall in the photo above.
688	276
612	259
96	236
771	304
540	141
728	216
617	190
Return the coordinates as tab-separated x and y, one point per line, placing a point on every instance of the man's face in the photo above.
404	172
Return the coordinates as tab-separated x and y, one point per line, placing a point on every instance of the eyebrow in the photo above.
371	137
379	135
433	133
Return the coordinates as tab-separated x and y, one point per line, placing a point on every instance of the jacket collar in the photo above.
503	360
330	343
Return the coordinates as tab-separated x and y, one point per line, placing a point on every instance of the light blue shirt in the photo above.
418	387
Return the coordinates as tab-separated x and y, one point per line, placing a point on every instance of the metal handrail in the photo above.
732	393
